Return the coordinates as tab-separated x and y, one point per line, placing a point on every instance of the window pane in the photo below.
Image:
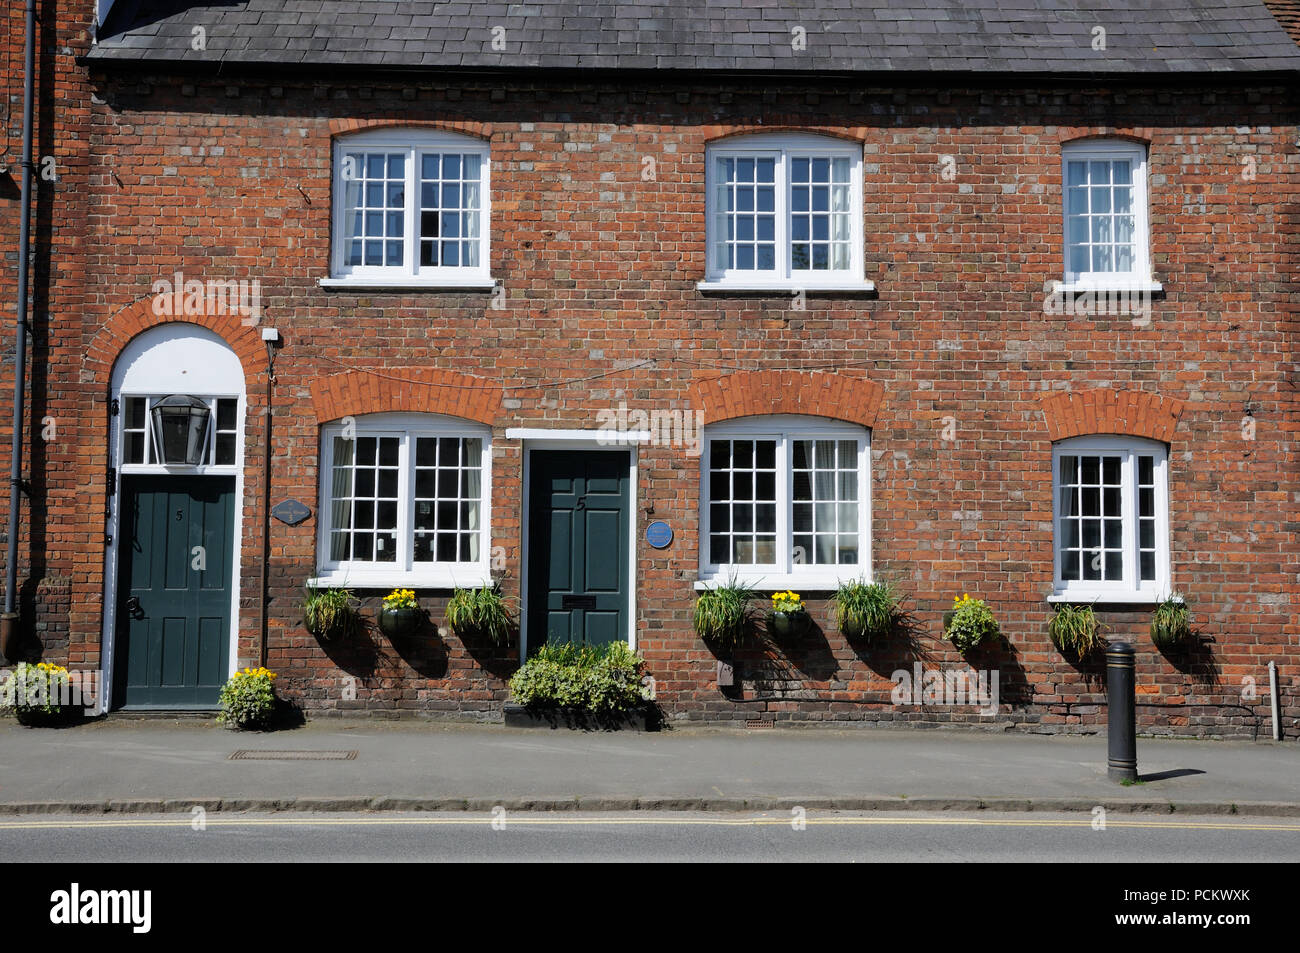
134	417
226	407
374	207
1100	225
825	471
1089	547
743	532
225	449
745	220
448	479
450	192
133	447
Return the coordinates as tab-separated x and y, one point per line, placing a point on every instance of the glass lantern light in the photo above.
180	429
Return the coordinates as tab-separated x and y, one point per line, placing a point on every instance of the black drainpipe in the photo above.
9	621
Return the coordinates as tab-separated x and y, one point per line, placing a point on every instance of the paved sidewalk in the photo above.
137	765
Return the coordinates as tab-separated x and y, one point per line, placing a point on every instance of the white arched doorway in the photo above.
171	580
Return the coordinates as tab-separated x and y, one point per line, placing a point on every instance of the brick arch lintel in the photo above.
1130	413
761	393
408	390
781	125
466	127
138	317
1139	134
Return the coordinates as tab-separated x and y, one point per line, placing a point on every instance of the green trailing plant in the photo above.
1076	630
866	610
1171	623
248	699
602	680
969	623
331	614
724	613
481	611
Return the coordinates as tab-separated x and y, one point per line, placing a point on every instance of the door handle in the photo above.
133	607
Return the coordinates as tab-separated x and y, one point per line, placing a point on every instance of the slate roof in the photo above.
852	36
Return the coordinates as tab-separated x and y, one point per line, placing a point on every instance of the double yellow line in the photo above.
520	819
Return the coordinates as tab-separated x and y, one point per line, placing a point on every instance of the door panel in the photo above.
579	579
174	591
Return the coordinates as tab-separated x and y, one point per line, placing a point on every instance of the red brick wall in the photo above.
231	179
51	576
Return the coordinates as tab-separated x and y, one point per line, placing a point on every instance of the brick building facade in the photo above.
936	359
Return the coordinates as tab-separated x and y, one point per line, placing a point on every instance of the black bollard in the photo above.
1121	727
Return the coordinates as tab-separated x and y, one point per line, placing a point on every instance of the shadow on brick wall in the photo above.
1195	658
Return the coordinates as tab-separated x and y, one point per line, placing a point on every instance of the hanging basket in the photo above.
400	622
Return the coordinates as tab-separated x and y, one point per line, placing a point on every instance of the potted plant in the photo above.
1075	630
788	615
866	610
37	693
580	686
331	614
722	614
1171	623
969	623
400	615
482	612
248	700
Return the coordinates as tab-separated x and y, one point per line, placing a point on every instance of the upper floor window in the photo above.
1112	518
1106	231
404	500
784	211
411	207
785	499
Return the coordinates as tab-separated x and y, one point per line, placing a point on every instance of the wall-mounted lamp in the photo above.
180	429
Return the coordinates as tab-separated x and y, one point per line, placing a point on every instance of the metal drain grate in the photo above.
760	723
254	754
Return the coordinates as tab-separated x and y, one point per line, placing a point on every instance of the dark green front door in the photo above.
173	591
579	518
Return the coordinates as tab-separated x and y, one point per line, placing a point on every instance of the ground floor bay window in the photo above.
785	502
404	501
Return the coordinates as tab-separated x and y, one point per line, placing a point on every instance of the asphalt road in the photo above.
650	837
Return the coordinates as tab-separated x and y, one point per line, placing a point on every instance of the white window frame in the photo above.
414	142
785	573
404	571
1130	588
783	147
1140	277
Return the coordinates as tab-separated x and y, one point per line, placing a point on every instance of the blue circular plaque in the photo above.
658	534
